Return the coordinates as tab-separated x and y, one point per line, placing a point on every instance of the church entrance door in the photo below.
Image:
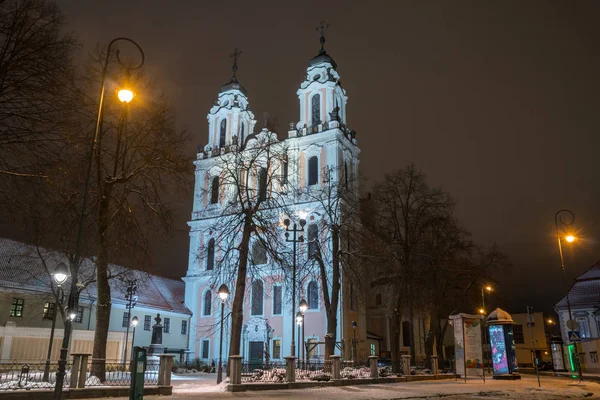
256	354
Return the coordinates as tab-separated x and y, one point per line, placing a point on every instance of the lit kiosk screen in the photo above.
499	356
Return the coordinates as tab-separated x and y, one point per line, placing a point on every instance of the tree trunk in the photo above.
104	304
237	308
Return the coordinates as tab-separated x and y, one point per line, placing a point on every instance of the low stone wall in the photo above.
242	387
84	393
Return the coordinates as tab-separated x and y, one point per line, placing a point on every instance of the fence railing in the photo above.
313	370
264	373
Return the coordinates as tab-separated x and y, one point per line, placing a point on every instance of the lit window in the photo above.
16	307
276	349
49	309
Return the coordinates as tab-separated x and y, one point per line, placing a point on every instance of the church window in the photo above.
276	349
284	170
259	253
223	135
167	325
257	298
313	233
346	172
316	110
277	300
210	255
214	191
313	295
205	349
313	170
262	184
242	134
206	310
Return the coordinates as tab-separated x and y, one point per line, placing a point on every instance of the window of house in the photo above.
257	297
125	322
16	307
184	327
584	327
276	349
277	300
49	310
79	315
284	170
207	303
313	295
147	322
316	109
223	133
210	255
582	358
262	184
313	235
313	170
406	333
259	253
378	299
518	334
214	190
205	349
594	357
167	325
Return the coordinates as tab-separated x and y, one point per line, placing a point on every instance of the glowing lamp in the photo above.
223	292
570	238
299	318
72	315
125	95
481	311
134	321
61	273
488	288
303	306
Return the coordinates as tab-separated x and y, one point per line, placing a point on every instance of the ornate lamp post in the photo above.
223	295
294	230
569	238
60	276
299	319
303	307
125	95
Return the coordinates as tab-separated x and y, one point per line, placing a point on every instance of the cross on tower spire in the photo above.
323	26
236	53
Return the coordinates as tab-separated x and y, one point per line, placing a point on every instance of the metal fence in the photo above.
27	376
263	373
313	370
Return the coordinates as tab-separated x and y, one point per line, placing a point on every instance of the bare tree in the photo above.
35	89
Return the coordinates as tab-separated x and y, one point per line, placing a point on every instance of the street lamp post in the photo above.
571	324
131	298
223	294
134	323
299	320
60	276
72	301
303	308
354	342
294	230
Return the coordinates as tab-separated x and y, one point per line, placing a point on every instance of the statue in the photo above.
156	346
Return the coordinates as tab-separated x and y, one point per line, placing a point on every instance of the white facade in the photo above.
320	141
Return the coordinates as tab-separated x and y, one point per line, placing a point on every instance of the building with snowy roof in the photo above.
28	306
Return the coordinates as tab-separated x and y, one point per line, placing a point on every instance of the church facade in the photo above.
318	147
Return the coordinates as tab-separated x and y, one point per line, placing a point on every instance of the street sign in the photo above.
574	336
572	324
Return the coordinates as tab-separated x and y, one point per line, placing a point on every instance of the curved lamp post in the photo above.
223	295
303	308
294	230
72	301
567	218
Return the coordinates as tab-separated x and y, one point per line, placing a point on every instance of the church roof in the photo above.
22	269
586	289
321	58
233	84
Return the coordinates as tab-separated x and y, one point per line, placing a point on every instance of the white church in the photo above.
318	142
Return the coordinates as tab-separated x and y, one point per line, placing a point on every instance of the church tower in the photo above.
321	95
230	120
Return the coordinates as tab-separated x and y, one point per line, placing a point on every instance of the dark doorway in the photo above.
256	355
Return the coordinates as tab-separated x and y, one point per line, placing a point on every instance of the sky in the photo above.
496	101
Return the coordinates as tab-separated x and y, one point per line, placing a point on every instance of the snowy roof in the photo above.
586	289
27	268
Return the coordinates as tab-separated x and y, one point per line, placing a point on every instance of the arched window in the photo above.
242	128
206	310
210	255
284	170
214	191
262	184
257	298
346	172
313	295
259	253
316	110
223	135
313	171
313	234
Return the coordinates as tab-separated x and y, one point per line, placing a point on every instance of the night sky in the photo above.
497	102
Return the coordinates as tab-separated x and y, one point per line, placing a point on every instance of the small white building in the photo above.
27	307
